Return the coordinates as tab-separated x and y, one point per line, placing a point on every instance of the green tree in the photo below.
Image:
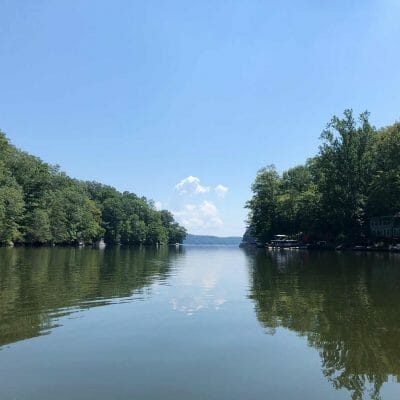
40	205
11	211
384	189
263	205
175	232
38	229
344	172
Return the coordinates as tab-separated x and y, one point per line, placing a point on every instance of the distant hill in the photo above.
212	240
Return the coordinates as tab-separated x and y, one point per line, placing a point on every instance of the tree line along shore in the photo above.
40	205
353	183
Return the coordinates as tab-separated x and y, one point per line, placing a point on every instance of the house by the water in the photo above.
387	227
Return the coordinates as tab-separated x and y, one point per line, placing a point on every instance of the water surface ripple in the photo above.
198	323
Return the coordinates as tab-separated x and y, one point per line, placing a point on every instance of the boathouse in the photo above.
387	227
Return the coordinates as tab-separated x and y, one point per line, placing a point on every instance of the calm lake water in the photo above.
198	323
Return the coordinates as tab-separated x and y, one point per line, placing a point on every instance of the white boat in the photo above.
282	241
100	244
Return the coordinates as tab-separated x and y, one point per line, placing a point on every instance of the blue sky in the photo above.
173	99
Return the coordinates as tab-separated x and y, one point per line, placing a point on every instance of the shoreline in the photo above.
366	249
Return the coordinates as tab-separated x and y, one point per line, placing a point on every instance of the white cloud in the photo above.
190	185
190	305
201	216
201	288
158	205
221	190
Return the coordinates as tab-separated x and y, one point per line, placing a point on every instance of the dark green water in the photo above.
198	323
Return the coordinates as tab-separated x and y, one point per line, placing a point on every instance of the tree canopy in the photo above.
39	204
354	176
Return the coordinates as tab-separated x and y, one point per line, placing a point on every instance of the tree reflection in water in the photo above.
347	305
38	286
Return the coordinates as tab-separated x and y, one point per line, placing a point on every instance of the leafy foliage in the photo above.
41	205
355	176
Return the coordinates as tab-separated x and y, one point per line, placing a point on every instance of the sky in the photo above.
183	101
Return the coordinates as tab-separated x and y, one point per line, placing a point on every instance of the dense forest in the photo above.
354	176
41	205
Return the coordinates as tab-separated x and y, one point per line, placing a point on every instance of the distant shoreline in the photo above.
212	240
